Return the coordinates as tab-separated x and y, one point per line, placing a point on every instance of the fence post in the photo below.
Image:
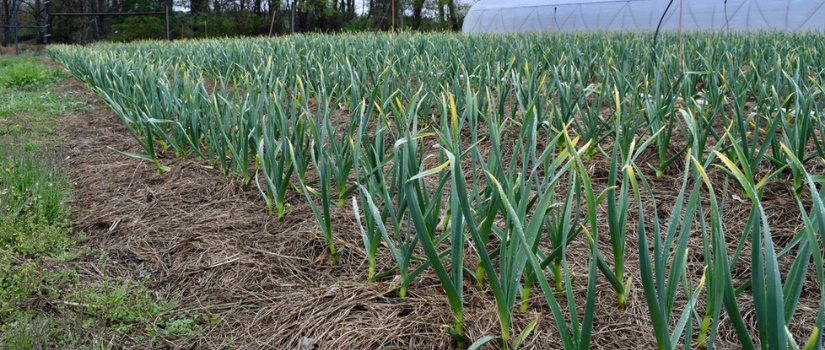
167	20
46	22
14	9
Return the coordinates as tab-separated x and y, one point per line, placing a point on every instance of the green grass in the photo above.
29	108
33	188
16	100
33	220
27	72
43	302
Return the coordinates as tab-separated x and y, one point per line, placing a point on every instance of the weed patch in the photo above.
24	73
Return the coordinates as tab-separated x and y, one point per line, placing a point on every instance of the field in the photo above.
579	190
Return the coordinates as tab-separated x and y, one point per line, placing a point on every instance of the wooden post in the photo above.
273	22
680	32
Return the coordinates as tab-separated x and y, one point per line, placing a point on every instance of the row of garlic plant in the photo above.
273	110
578	81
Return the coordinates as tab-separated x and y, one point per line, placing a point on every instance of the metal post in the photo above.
167	20
292	25
46	24
14	9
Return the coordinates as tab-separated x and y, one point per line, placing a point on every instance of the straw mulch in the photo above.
208	242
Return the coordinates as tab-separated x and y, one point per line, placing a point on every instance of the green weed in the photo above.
26	74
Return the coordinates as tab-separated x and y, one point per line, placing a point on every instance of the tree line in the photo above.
221	18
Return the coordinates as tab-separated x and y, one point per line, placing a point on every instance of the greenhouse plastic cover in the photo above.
591	15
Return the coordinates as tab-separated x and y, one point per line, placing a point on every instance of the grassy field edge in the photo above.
45	302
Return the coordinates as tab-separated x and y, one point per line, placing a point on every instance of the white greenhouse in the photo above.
589	15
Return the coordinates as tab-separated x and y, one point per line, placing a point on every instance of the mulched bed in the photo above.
205	240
